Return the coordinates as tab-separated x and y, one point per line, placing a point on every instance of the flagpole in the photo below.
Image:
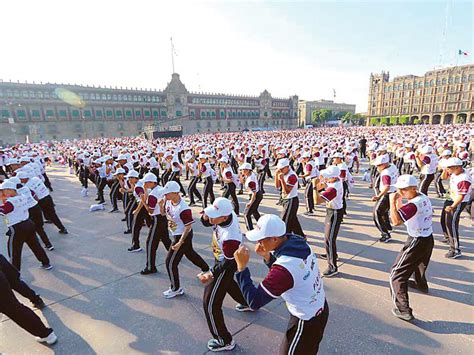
172	53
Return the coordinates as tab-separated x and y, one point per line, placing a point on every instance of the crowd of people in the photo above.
165	184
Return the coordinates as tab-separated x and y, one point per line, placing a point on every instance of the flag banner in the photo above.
460	52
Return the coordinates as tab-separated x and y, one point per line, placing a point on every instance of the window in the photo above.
156	114
35	114
62	113
109	113
128	113
179	113
164	114
87	113
75	113
98	113
118	113
4	113
138	113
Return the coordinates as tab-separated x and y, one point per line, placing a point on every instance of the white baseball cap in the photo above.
406	180
454	162
283	163
381	147
331	172
150	177
306	155
381	159
22	175
171	186
224	160
119	171
219	208
267	226
12	161
8	185
25	160
337	155
203	156
122	157
446	152
426	149
132	174
245	166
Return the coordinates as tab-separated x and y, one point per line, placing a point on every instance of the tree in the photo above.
393	120
404	119
374	121
416	121
348	117
384	120
318	117
359	120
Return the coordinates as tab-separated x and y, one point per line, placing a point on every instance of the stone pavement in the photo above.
99	303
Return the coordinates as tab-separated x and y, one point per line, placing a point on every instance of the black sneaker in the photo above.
128	231
385	238
240	192
413	284
134	249
46	266
123	219
146	271
63	231
218	345
453	254
49	247
113	210
330	272
38	303
47	221
403	316
243	308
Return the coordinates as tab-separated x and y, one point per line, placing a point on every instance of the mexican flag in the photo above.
460	52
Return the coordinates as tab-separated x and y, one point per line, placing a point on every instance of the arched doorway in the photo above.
436	119
414	120
461	118
448	119
472	117
425	119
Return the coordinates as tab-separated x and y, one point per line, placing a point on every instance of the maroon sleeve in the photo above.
343	174
278	281
412	156
356	158
203	168
407	211
139	190
317	154
252	186
228	175
7	208
463	187
292	180
309	167
175	164
187	217
329	194
229	247
386	180
426	160
152	201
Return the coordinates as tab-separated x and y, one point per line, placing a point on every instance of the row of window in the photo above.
430	83
427	108
247	123
86	96
86	113
232	102
245	114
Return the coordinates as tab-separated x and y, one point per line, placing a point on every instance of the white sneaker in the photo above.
167	291
50	339
173	294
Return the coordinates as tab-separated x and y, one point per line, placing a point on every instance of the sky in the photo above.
307	48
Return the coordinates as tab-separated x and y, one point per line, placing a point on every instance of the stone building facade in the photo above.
40	111
440	96
306	109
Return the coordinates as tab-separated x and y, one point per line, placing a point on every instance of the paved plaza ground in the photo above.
99	303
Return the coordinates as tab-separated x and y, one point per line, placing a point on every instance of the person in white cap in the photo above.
21	229
176	173
388	176
154	204
180	221
286	179
427	162
409	159
440	189
26	318
206	172
229	180
192	168
310	175
105	176
140	214
132	202
460	186
34	210
219	281
294	276
250	183
332	194
44	200
339	162
115	194
415	255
